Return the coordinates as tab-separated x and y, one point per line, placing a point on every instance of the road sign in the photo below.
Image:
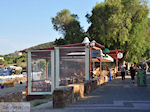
120	55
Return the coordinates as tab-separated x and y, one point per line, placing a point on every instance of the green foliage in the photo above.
41	46
19	61
147	40
37	103
120	24
18	71
10	59
61	21
69	26
5	63
60	41
1	62
42	64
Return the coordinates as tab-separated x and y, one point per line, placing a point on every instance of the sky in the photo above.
26	23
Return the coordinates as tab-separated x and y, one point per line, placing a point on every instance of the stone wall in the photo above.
65	96
87	87
78	91
105	73
12	97
11	83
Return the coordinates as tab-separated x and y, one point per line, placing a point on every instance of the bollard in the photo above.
2	86
110	75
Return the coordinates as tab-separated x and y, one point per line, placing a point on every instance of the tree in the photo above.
60	41
5	63
10	59
1	62
147	39
69	26
19	61
120	24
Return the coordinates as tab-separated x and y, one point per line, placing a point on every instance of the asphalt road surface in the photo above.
116	96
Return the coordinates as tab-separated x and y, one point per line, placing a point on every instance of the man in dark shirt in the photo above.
132	72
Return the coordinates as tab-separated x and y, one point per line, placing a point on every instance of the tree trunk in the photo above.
124	57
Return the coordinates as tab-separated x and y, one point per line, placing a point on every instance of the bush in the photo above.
17	71
39	103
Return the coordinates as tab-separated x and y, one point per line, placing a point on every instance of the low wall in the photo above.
12	97
65	96
11	83
78	91
34	97
62	97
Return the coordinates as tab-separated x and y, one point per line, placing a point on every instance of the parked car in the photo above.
1	73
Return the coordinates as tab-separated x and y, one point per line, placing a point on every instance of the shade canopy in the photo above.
107	58
104	58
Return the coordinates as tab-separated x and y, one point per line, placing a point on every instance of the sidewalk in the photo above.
116	96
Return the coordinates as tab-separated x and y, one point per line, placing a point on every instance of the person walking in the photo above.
123	71
147	67
132	72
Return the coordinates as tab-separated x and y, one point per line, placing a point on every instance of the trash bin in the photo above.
141	77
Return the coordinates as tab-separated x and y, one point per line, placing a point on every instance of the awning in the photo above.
107	58
104	58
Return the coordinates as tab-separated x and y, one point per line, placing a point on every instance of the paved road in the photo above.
116	96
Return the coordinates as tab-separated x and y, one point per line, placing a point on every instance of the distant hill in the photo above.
40	46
